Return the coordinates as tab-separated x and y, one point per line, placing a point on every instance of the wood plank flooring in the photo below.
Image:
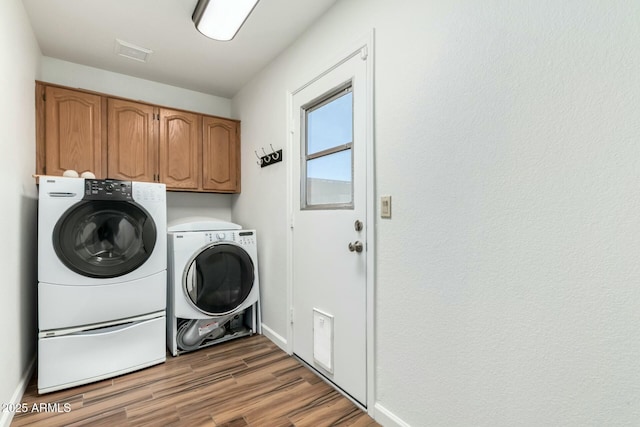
244	382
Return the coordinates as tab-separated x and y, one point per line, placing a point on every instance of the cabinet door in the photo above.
132	141
73	132
180	140
220	155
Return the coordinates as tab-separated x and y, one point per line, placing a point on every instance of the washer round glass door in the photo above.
219	278
104	239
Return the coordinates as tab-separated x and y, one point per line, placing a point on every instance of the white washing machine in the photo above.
213	287
101	279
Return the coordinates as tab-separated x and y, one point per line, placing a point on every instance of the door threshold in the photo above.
331	383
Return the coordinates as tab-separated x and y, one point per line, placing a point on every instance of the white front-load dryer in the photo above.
213	289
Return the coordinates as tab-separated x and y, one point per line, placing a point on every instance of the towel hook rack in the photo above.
268	158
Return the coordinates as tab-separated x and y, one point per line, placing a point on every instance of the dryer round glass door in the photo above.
104	239
219	279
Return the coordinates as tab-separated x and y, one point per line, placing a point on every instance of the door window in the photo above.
104	239
219	279
327	169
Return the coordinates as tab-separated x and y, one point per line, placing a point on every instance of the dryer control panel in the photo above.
246	238
217	236
240	237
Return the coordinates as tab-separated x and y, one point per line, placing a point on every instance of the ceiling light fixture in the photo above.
221	19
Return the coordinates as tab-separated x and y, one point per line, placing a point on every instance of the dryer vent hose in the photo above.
192	334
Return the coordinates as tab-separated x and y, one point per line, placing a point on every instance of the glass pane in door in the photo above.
330	124
329	179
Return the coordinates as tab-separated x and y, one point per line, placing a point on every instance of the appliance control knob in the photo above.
109	187
220	236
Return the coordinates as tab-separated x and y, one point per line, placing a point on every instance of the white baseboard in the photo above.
16	399
387	418
275	337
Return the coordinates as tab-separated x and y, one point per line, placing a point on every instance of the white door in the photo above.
329	226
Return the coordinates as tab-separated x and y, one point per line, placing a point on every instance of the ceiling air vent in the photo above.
131	51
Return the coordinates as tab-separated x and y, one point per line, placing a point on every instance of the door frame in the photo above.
363	46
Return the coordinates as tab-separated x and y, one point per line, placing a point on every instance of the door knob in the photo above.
355	246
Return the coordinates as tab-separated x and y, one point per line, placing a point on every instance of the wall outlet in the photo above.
385	207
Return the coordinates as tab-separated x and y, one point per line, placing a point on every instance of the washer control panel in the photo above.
107	189
149	192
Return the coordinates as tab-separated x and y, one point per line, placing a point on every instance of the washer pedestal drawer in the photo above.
87	356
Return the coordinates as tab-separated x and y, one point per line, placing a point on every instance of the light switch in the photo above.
385	207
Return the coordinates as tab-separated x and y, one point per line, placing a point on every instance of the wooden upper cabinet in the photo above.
73	132
220	155
180	142
132	142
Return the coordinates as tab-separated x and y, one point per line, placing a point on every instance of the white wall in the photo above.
19	57
83	77
179	205
508	134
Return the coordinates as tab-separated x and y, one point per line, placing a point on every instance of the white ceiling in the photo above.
84	32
